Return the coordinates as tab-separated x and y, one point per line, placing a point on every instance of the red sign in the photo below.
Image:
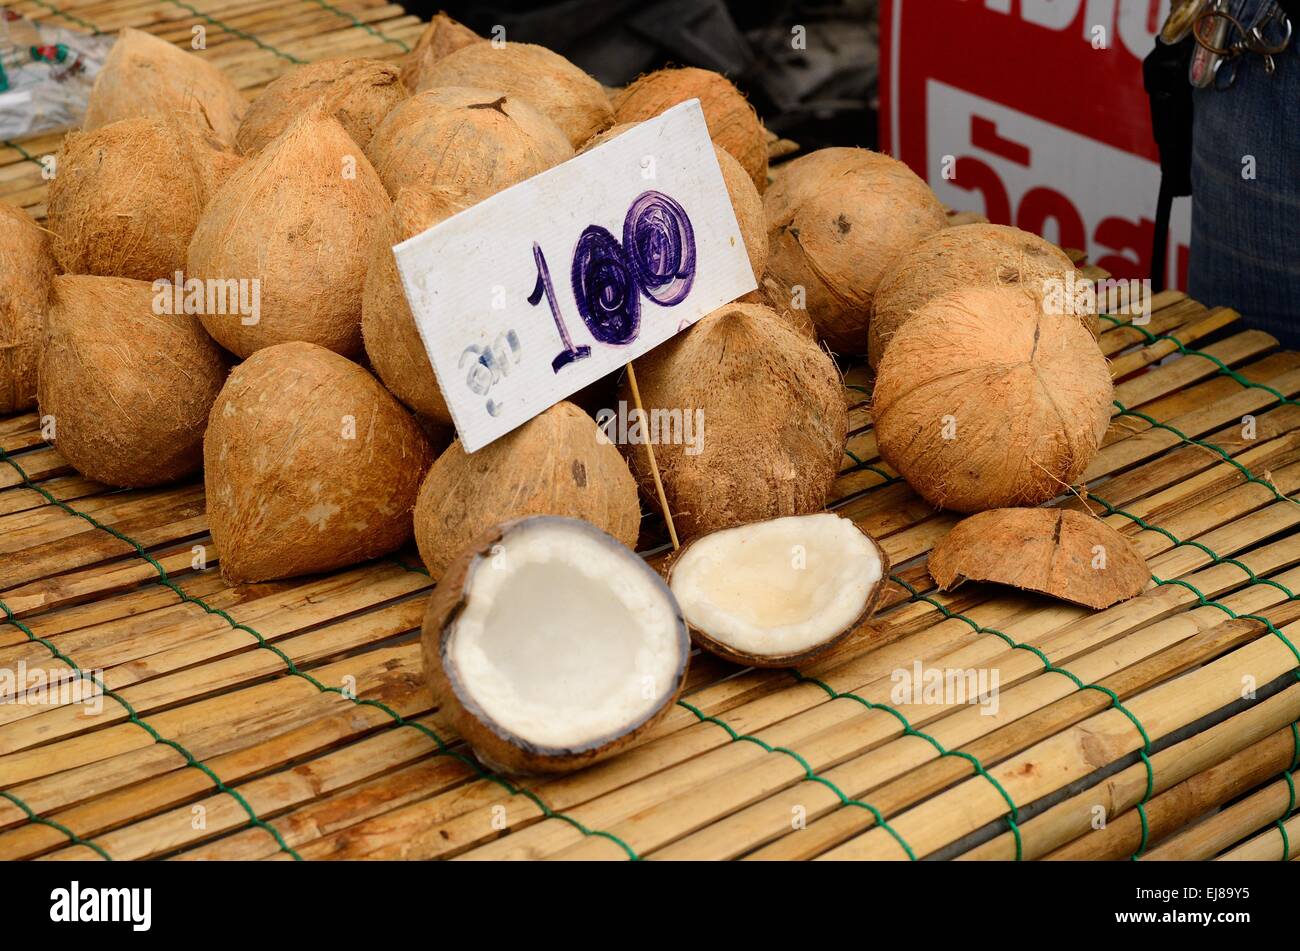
1033	112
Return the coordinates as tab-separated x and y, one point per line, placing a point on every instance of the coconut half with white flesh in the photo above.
781	592
551	645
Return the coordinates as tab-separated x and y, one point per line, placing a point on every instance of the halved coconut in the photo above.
1057	552
780	592
551	646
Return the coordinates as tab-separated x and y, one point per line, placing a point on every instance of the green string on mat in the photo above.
23	153
70	17
292	668
377	34
1289	776
235	31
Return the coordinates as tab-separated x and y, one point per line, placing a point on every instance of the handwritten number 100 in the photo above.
656	259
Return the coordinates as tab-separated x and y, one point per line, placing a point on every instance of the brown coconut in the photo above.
128	385
392	339
775	421
555	464
732	121
147	76
555	87
473	141
128	196
983	400
745	200
1058	552
309	465
299	217
837	220
357	92
441	37
977	255
26	272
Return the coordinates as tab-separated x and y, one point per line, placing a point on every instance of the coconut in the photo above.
837	220
299	220
1058	552
392	339
745	200
555	87
551	646
474	141
984	400
766	414
129	195
26	271
147	76
127	384
977	255
732	122
555	464
357	92
441	37
781	592
309	465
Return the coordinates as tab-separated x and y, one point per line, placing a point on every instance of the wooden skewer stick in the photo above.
654	466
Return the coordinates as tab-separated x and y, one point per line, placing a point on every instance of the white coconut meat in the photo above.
778	589
566	639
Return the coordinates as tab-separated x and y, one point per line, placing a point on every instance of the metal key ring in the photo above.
1211	15
1257	44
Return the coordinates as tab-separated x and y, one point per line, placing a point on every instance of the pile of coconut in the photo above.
306	398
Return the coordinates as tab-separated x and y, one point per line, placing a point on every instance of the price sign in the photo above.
543	288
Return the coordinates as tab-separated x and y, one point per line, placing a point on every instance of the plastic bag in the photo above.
45	75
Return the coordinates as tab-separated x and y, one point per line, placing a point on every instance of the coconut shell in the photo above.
555	87
294	219
392	339
147	76
555	464
496	748
472	141
1023	397
978	255
1057	552
441	37
775	421
309	465
837	220
357	92
26	272
745	200
128	196
128	385
732	121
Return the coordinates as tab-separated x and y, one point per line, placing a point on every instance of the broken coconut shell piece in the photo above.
780	592
1057	552
550	645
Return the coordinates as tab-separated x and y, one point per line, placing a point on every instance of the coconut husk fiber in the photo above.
732	121
1058	552
26	273
555	464
550	83
441	37
300	218
983	400
976	255
147	76
774	418
472	141
127	386
128	195
309	465
360	93
837	220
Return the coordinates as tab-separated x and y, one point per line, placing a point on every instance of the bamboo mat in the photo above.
290	720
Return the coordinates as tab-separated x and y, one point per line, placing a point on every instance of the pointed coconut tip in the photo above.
1057	552
780	592
550	645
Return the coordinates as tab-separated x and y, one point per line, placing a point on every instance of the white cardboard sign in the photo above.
543	288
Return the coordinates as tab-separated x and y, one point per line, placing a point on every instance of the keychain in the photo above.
1210	51
1181	20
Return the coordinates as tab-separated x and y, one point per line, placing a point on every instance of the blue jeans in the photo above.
1246	231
